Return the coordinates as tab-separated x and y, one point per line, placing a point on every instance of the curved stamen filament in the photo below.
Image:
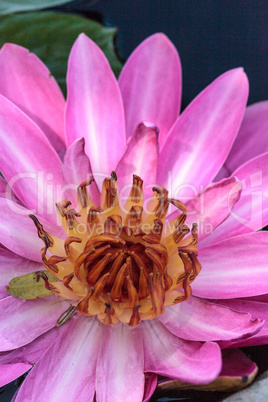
123	272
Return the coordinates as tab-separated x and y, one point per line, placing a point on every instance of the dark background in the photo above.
211	36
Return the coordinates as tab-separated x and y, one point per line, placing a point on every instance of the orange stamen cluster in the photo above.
121	264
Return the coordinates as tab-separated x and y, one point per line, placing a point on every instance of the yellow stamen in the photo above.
121	266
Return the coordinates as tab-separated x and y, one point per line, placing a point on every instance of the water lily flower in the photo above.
129	299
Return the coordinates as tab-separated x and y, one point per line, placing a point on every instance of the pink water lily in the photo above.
125	332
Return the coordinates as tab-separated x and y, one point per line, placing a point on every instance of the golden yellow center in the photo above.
121	263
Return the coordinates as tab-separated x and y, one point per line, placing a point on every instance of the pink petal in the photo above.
3	186
150	83
66	371
236	364
31	353
260	298
6	191
235	267
28	161
251	140
167	355
212	206
224	172
24	320
27	82
200	140
18	232
251	212
23	358
199	320
150	385
257	310
9	372
140	158
76	168
13	265
238	371
94	106
120	372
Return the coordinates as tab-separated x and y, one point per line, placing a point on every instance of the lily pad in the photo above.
51	35
14	6
30	286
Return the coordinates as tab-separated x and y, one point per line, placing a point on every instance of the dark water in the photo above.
211	36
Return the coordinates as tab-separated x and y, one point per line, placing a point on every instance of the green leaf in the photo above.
14	6
51	35
30	286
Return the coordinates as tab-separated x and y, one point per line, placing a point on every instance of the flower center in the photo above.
121	264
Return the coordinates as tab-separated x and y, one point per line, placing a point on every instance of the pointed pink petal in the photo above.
3	186
24	320
251	211
150	385
140	158
13	265
236	267
251	139
236	364
212	206
31	352
257	310
150	83
200	140
199	320
238	371
167	355
9	372
28	161
66	371
121	354
76	168
94	106
23	358
18	232
27	82
254	176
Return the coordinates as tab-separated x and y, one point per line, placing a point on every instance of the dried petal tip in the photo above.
92	213
161	195
82	193
70	240
157	227
113	224
194	232
109	196
41	274
178	204
42	233
180	232
135	213
113	176
67	215
136	193
62	207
